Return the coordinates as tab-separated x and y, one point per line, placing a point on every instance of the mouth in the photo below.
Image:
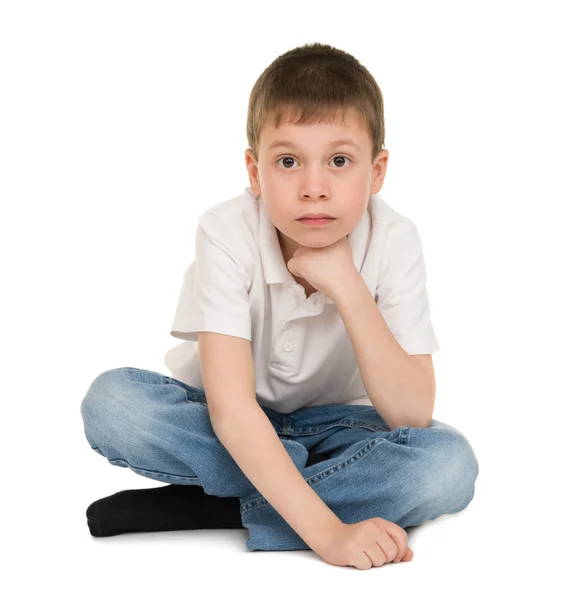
317	222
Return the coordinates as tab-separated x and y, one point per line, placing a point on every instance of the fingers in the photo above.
389	547
376	554
408	556
399	536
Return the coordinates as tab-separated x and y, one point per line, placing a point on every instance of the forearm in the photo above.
255	446
397	386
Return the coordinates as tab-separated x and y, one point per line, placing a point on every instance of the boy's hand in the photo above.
326	269
366	544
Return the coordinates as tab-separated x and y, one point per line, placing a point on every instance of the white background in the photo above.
121	122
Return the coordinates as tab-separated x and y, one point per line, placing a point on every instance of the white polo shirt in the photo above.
239	285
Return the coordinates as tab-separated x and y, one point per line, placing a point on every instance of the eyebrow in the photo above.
335	143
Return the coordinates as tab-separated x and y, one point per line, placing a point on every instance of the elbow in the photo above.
419	421
416	423
424	424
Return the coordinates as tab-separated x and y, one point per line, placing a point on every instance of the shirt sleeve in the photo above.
401	294
214	294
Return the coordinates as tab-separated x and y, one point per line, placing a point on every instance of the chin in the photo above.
317	244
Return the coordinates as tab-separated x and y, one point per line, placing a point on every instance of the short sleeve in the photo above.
401	293
214	294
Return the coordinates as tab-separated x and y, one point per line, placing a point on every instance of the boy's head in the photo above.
313	96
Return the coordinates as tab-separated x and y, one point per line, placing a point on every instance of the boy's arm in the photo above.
253	443
245	431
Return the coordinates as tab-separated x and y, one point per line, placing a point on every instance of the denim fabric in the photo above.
159	427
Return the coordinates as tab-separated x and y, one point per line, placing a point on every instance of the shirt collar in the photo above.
274	267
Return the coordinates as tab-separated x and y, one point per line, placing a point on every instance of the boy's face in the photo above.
314	175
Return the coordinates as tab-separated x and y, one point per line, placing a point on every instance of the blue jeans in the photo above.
159	427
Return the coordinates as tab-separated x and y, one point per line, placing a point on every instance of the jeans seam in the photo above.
159	473
342	422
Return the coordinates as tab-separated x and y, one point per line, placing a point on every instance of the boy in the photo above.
316	330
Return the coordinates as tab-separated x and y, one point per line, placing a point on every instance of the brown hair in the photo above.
321	82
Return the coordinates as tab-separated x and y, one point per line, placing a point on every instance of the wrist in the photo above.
323	530
324	535
343	288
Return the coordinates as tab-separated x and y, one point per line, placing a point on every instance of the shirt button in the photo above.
288	347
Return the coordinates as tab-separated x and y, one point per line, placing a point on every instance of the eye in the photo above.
290	157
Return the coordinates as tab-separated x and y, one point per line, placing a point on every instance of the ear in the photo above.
252	171
379	167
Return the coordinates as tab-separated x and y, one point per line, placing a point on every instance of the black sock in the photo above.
166	508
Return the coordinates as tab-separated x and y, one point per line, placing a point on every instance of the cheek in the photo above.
355	213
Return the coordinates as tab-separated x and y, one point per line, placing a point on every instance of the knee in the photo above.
454	467
107	400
